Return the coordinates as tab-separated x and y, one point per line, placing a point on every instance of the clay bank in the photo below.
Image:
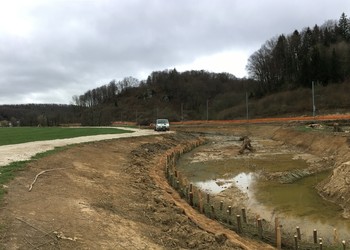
298	175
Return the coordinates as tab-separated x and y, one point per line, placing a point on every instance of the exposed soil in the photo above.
114	195
107	195
325	149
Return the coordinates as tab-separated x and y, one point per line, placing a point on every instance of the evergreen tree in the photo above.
280	61
344	28
295	56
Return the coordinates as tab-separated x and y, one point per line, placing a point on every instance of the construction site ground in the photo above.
113	194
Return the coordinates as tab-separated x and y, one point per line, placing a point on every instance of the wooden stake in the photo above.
260	229
244	215
276	225
315	236
208	198
191	199
298	233
335	236
221	205
200	202
229	210
171	179
343	243
179	177
239	224
278	238
296	242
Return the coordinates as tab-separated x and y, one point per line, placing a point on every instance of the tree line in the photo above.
280	73
284	63
168	93
39	115
319	54
106	93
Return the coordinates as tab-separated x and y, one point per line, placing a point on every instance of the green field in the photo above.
28	134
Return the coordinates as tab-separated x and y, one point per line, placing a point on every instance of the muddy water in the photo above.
296	204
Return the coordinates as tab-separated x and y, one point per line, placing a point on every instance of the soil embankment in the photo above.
331	149
107	195
113	194
334	149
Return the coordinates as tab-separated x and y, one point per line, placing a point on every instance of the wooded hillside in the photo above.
279	84
320	54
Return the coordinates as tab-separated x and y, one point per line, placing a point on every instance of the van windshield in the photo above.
162	121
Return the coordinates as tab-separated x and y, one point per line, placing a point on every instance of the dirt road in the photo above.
107	195
24	151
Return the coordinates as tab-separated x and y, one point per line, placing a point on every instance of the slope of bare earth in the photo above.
113	194
335	147
107	195
332	147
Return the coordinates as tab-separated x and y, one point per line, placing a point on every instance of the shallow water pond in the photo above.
297	204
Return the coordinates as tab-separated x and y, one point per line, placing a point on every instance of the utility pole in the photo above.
207	109
182	111
246	103
313	99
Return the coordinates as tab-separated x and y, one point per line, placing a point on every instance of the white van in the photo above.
162	125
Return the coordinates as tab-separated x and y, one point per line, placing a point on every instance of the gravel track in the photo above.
24	151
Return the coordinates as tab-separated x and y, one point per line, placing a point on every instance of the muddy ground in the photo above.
107	195
113	195
323	148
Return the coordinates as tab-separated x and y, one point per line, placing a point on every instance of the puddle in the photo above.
242	181
297	204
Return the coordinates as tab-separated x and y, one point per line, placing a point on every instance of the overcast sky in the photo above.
51	50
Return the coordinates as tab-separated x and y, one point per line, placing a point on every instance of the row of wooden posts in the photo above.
237	221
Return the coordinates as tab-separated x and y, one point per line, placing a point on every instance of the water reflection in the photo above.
297	204
213	186
243	181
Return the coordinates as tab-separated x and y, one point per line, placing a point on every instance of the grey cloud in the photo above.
76	44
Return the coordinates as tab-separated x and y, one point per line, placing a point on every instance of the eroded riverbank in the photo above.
278	179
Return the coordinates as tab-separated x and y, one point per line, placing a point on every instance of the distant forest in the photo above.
279	84
320	54
38	115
